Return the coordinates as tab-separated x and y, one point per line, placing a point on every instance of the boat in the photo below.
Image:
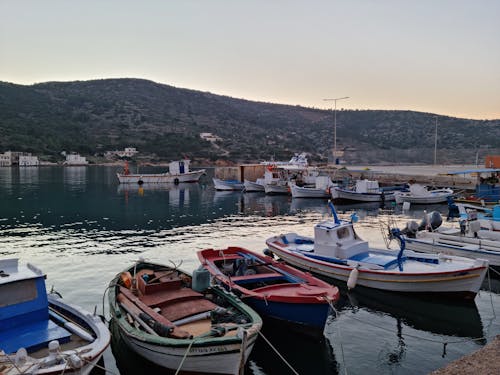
251	186
321	189
487	187
178	172
469	240
338	253
228	185
280	176
274	289
179	322
420	194
41	333
365	191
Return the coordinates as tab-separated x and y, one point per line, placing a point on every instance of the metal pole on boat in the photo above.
335	126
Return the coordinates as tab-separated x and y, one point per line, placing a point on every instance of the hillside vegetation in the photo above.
164	123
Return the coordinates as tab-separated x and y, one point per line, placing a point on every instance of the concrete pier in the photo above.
431	175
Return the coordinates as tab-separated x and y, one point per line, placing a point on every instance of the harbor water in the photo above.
82	228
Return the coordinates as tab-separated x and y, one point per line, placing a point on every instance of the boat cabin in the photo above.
24	309
338	240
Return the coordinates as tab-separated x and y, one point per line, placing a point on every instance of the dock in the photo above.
431	175
485	361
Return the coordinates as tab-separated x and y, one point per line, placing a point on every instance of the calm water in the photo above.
80	227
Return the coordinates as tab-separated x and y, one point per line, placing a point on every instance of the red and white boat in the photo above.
272	288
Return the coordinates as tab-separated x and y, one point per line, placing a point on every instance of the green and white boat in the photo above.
180	322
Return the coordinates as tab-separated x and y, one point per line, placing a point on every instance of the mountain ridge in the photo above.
165	122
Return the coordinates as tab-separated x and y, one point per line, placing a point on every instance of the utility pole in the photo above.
435	140
335	126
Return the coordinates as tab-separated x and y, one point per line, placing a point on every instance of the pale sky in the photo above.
438	56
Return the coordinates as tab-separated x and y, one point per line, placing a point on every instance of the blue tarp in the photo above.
478	170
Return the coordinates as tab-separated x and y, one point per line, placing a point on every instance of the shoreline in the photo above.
483	361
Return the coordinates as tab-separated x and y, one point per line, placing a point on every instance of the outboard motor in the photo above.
431	221
411	229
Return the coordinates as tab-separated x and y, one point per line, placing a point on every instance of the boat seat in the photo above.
33	336
379	259
256	277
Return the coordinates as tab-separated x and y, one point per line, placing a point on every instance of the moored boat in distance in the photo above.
41	333
178	172
272	288
420	194
320	189
365	191
181	323
337	252
228	185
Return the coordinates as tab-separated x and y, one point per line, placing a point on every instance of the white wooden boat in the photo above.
309	192
251	186
277	187
364	191
228	185
338	253
178	172
39	332
420	194
470	240
181	323
452	242
320	189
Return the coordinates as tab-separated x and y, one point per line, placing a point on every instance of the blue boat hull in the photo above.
313	315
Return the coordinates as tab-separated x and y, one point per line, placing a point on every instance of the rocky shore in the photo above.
485	361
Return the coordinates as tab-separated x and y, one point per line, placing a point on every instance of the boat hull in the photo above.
459	246
224	358
192	176
227	185
427	199
274	189
311	315
343	194
253	186
461	282
305	192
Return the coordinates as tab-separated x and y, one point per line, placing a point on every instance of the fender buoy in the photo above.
126	279
353	279
176	181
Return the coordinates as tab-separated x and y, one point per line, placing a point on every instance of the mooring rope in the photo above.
278	353
184	357
330	302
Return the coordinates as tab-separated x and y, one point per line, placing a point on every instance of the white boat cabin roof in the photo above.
11	271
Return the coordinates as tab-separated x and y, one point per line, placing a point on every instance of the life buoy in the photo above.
126	279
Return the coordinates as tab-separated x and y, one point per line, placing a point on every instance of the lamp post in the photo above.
335	126
435	140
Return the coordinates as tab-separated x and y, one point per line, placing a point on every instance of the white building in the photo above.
28	161
128	152
75	159
210	137
5	160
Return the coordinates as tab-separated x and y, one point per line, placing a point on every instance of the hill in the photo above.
165	122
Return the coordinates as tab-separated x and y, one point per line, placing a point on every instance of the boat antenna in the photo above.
334	212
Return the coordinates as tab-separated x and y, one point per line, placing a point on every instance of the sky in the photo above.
436	56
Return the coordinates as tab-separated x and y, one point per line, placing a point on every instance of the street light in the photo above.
335	126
